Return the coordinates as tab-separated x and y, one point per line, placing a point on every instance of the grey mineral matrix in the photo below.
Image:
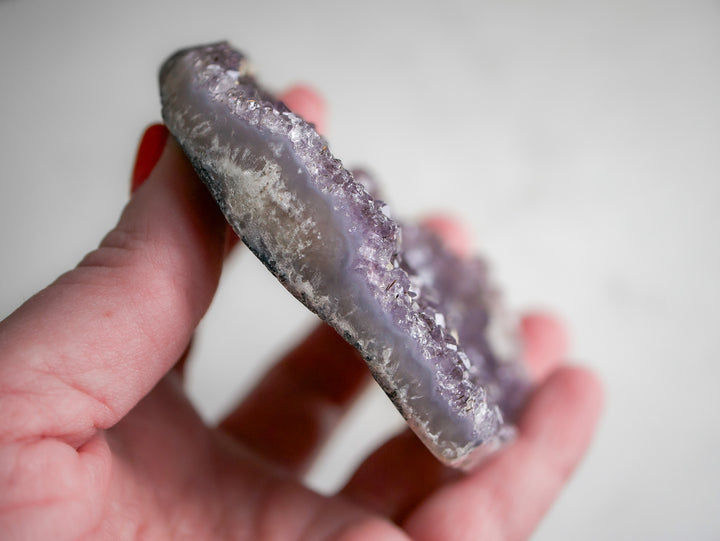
422	318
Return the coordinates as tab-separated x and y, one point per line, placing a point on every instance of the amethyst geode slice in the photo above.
421	317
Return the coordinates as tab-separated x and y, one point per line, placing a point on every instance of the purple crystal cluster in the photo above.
421	317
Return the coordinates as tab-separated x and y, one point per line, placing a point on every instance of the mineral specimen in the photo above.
420	316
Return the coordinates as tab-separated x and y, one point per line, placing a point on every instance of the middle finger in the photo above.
299	402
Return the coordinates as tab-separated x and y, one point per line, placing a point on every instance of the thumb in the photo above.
81	353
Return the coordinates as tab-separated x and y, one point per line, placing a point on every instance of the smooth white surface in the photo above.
580	141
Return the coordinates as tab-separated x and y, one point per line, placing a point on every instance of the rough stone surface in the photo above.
423	319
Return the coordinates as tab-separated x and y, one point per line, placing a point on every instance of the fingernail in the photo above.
307	102
149	151
456	237
545	341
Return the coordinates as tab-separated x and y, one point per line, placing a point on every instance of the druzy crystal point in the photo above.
426	321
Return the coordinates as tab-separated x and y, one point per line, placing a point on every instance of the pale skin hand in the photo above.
98	441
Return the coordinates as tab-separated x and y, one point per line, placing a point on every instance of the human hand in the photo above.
97	439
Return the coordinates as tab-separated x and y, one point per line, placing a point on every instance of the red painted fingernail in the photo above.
148	153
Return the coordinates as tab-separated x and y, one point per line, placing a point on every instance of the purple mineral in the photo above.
422	318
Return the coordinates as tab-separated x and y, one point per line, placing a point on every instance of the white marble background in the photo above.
581	141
